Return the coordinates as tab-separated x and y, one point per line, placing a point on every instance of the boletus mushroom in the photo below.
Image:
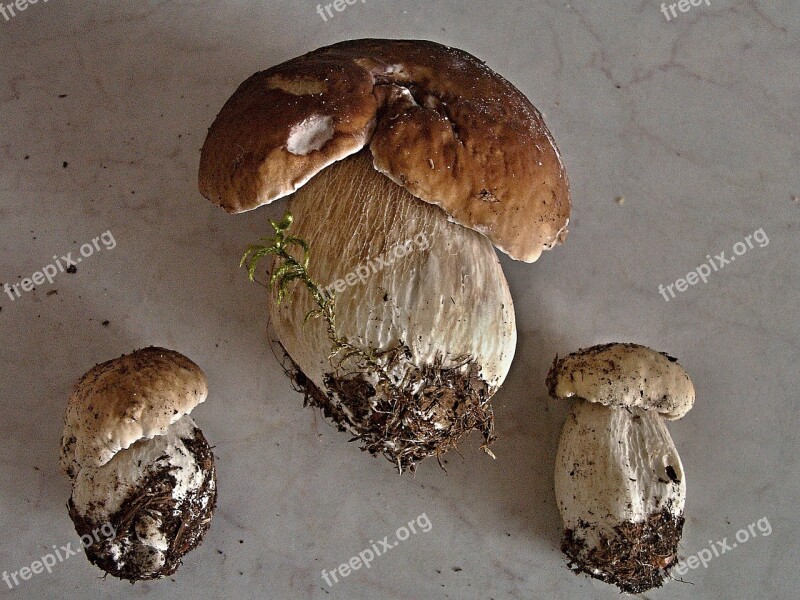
619	481
405	161
141	471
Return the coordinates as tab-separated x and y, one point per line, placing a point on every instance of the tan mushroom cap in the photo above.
119	402
439	122
624	375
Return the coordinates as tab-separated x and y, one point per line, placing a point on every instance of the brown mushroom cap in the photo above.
439	123
624	375
121	401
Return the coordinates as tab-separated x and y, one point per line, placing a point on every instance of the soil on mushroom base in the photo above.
405	427
637	558
184	525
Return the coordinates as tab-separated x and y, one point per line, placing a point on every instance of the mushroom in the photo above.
619	481
417	330
138	464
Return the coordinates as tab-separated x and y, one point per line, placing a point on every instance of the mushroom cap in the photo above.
624	375
121	401
439	122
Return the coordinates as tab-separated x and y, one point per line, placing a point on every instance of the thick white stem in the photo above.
615	466
407	275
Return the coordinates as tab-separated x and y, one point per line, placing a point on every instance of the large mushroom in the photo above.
400	233
140	469
619	480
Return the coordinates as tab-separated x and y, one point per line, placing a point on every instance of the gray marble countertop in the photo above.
680	135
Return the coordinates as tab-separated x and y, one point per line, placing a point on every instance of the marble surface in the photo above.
693	121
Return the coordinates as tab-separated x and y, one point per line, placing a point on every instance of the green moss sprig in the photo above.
288	269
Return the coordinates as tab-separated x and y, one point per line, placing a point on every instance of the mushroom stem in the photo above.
425	296
621	492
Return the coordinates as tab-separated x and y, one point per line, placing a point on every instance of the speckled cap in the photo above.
624	375
438	121
137	396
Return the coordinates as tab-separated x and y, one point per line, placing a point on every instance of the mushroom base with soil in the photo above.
406	427
168	486
636	557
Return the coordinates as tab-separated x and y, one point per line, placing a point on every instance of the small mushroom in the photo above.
619	481
406	160
138	464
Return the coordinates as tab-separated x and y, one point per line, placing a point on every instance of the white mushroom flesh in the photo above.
615	466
